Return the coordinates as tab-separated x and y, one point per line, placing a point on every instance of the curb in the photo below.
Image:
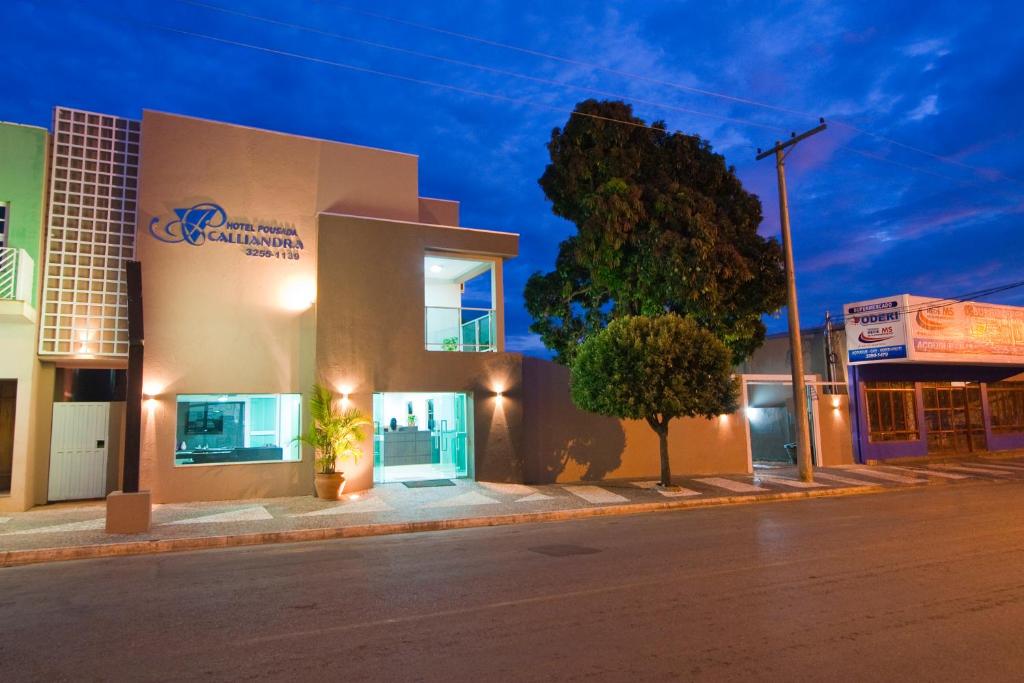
14	558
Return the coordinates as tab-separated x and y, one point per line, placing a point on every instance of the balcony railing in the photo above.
460	329
15	274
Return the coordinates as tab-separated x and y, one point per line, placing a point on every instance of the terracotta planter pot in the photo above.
329	485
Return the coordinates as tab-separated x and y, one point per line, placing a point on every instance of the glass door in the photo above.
420	435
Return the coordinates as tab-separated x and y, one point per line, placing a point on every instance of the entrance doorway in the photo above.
421	435
78	451
953	416
8	402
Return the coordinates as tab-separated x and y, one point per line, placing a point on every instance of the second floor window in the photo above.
459	302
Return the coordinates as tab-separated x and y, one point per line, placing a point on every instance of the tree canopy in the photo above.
654	369
663	225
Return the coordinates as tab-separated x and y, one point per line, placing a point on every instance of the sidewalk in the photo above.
76	530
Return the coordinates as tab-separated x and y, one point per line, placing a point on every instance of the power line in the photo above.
473	65
984	173
410	79
517	100
940	303
564	84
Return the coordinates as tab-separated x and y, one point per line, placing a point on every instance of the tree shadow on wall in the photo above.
568	442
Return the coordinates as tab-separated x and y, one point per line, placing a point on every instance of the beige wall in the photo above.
370	333
565	444
18	362
835	430
219	321
437	211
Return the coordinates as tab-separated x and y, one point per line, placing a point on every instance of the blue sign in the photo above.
191	224
878	353
208	222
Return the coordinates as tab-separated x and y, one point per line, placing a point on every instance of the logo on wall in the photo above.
208	222
191	224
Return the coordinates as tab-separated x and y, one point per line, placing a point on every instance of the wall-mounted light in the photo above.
151	390
298	294
835	403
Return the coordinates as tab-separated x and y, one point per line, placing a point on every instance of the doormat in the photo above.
427	483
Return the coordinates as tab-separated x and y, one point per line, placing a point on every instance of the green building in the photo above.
23	173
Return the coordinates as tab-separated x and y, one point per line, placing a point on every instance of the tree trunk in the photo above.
661	429
666	467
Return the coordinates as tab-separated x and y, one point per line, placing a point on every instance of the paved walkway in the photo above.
397	508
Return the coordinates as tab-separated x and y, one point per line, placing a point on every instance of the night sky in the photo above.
932	203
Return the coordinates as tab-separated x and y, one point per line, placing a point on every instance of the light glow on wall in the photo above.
298	294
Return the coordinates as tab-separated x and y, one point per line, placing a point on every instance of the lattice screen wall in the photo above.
93	194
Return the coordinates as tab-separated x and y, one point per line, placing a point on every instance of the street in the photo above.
915	584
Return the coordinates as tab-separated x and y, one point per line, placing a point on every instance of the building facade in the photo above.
270	262
933	377
23	165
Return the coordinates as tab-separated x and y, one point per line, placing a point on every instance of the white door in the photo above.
78	451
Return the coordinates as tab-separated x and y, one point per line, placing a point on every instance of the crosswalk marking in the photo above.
1008	466
675	492
828	476
510	489
86	525
596	494
887	476
975	469
533	498
249	514
353	508
793	483
931	472
730	485
468	498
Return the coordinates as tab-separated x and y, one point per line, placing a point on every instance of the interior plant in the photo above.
450	344
334	435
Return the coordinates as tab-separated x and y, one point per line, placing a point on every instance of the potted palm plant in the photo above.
334	435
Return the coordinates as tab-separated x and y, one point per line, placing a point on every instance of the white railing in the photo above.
15	274
460	329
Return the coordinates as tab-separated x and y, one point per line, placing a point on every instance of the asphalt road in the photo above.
912	585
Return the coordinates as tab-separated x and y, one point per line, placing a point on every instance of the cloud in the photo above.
929	106
934	47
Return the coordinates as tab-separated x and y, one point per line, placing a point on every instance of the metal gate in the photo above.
78	451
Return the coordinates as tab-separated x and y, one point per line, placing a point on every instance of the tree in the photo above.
662	225
654	369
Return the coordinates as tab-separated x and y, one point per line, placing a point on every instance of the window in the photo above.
459	300
891	411
4	210
221	429
1006	403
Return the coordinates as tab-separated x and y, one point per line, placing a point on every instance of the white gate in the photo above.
78	451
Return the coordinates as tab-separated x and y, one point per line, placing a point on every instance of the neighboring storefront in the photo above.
932	377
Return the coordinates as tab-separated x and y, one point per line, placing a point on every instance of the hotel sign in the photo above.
206	223
915	328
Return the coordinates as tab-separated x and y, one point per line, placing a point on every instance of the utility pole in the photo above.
803	428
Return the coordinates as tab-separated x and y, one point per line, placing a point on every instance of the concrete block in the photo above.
129	513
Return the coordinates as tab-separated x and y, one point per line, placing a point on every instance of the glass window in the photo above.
459	302
217	429
3	224
891	410
1006	403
